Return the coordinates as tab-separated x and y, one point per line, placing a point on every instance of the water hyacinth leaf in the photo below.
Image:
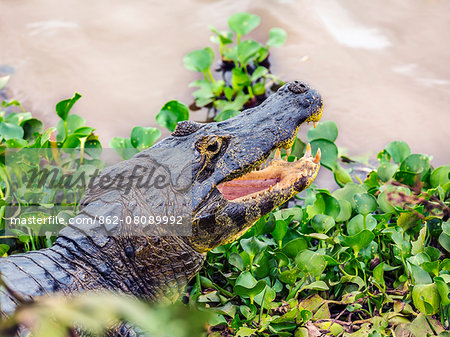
247	51
347	192
324	130
356	224
259	72
16	143
269	296
199	60
73	122
443	290
123	147
384	203
329	152
93	148
358	241
171	113
324	204
398	151
444	241
259	88
365	203
414	167
440	176
224	37
386	170
345	211
341	176
243	23
3	249
144	137
239	79
226	114
247	286
63	108
277	37
311	262
288	276
236	260
9	131
426	298
252	246
322	223
316	285
293	247
378	274
18	117
84	131
32	127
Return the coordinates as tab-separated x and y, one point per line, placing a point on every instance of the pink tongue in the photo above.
238	188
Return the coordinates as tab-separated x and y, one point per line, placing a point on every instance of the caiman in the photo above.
232	187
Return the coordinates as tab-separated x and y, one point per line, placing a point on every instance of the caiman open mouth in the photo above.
279	175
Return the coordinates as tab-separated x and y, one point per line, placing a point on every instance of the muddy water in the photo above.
382	66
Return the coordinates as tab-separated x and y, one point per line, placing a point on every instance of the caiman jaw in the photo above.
279	178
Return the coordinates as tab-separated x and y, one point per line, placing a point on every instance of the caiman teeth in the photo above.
315	124
277	155
288	153
316	159
307	151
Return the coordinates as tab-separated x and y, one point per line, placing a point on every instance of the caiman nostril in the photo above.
298	87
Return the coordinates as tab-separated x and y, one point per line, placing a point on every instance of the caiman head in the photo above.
230	190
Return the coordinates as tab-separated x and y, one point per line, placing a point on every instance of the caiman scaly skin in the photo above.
158	267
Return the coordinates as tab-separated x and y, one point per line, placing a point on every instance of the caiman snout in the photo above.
298	87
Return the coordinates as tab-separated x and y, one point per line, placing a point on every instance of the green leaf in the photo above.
243	23
226	114
322	223
224	37
329	152
269	296
324	204
9	131
317	285
123	147
252	246
199	60
247	286
3	248
345	211
426	298
247	51
63	108
277	37
258	73
32	127
386	170
73	122
413	167
311	262
365	203
444	241
324	130
239	79
347	193
18	117
236	260
358	241
356	224
342	176
171	113
443	290
378	274
16	143
440	176
398	150
84	131
293	247
144	137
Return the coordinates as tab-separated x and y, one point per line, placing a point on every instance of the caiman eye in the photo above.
213	148
211	145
